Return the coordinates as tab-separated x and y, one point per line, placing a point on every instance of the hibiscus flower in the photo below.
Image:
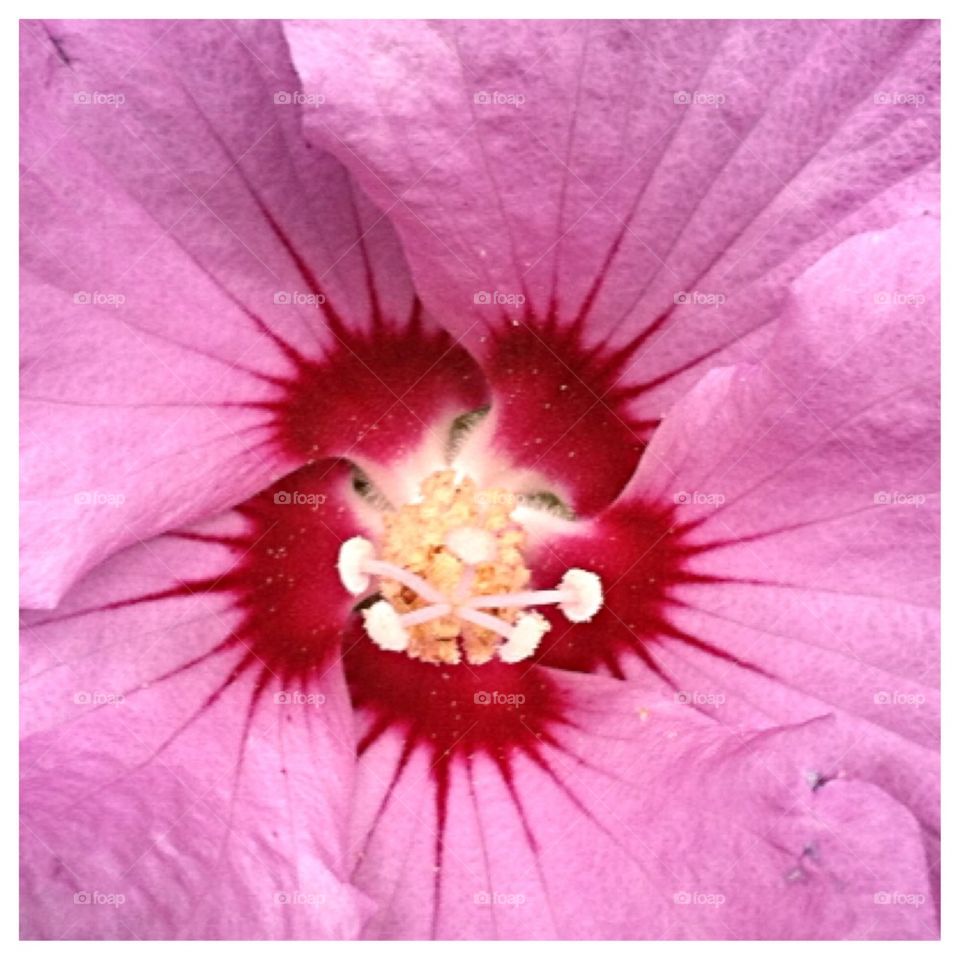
479	480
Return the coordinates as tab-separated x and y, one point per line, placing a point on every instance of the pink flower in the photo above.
666	294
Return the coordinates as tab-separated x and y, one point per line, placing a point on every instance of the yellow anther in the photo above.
416	537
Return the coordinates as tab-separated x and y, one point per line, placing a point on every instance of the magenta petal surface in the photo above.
645	189
181	777
634	816
683	278
776	555
194	278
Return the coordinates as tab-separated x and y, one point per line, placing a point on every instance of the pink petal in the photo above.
636	237
173	759
776	555
178	243
634	818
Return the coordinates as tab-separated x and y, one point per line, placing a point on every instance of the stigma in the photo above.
452	580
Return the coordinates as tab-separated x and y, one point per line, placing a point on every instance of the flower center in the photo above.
452	578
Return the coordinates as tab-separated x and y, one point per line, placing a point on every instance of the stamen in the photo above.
384	628
426	614
452	578
353	553
388	629
487	621
579	595
524	639
472	545
526	598
465	585
585	595
409	579
356	563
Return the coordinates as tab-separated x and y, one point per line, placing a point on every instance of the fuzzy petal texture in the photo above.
776	556
180	779
194	279
635	817
602	210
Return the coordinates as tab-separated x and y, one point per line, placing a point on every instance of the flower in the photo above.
653	303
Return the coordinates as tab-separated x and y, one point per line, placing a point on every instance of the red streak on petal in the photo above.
560	411
642	553
297	622
377	393
452	712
